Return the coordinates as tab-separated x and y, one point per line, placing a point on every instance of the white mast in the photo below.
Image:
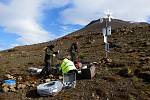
106	32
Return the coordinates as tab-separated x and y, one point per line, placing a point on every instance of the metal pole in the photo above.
106	31
106	53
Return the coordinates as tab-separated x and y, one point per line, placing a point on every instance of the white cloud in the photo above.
83	11
55	3
22	17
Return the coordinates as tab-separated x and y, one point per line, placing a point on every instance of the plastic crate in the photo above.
69	80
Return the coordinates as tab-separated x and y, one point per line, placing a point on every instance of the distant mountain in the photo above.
96	25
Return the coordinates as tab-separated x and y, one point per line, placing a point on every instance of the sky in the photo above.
25	22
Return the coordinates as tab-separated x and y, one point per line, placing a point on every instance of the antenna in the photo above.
107	31
108	14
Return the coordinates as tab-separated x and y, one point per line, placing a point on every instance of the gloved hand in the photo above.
54	55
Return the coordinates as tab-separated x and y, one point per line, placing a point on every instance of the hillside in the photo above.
129	49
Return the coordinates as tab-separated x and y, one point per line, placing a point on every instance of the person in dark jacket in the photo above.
48	60
74	51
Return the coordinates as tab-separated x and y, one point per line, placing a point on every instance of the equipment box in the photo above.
88	73
69	80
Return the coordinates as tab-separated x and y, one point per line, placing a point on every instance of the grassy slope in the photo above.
130	48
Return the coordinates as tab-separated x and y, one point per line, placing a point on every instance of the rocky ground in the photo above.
127	77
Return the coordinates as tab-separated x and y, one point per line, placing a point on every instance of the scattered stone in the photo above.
97	97
106	60
12	89
21	86
5	89
51	76
93	95
47	80
34	82
28	84
12	86
53	79
19	78
60	77
4	84
32	85
9	76
95	63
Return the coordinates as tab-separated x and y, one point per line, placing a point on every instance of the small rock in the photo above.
19	78
4	84
21	86
53	79
5	89
95	63
12	89
97	97
34	82
9	76
60	77
12	86
47	80
51	76
18	86
106	60
33	85
93	95
28	84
